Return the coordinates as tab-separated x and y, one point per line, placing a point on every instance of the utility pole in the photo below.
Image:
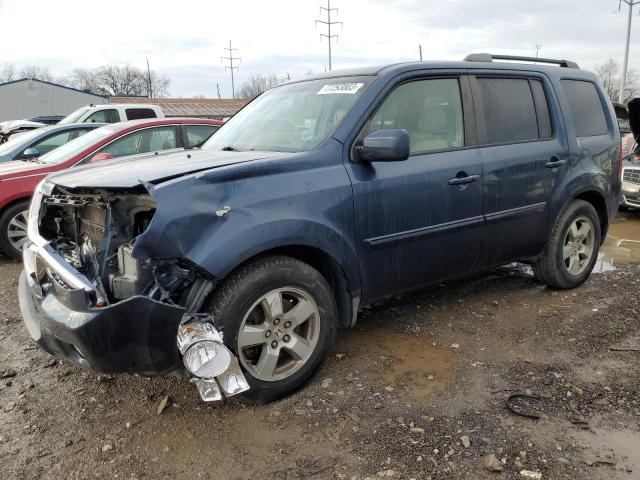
231	67
218	87
149	78
538	47
328	23
625	64
420	48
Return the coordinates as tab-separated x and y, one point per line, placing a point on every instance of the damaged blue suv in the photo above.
235	264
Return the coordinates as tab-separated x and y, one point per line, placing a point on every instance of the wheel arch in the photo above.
346	294
596	199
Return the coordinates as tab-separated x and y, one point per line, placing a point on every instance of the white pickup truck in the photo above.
106	113
113	113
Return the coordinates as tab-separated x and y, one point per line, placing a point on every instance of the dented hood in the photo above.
129	172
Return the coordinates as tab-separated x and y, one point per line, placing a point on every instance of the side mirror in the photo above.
384	146
99	157
30	153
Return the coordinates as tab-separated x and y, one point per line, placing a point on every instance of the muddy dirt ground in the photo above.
417	390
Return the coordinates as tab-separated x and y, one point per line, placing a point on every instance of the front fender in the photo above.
298	202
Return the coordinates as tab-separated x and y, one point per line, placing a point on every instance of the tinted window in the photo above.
104	116
430	110
56	140
509	112
142	141
138	113
197	134
545	127
586	108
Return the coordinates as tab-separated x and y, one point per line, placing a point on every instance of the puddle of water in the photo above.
409	363
622	245
619	446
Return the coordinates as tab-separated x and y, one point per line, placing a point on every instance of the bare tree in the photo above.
119	81
35	71
257	84
7	72
609	75
159	86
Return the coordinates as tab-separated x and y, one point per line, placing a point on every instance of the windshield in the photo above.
19	139
68	150
73	117
290	118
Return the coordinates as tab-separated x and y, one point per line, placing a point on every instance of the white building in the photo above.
29	97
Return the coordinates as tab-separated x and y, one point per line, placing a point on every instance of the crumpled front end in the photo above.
85	297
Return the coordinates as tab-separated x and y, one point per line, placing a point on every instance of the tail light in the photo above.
620	163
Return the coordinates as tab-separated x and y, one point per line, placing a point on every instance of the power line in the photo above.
328	23
231	67
625	64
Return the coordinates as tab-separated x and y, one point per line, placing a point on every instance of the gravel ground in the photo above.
417	390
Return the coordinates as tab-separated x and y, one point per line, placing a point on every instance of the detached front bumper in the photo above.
137	335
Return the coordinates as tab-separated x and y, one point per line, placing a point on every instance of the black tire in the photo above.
235	296
550	269
5	245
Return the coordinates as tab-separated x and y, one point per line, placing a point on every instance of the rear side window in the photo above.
586	108
197	134
140	113
509	110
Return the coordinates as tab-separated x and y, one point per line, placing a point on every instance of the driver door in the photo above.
420	220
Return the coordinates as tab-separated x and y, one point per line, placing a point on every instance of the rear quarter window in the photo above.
140	113
586	108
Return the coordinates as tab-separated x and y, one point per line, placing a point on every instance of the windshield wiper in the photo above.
32	159
230	149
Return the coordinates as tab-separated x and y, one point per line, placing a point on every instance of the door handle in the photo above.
555	163
460	180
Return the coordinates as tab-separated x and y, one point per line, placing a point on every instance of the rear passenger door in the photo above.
420	219
524	149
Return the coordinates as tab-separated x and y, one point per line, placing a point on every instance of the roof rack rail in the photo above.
488	57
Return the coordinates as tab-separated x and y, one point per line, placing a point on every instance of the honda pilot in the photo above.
236	264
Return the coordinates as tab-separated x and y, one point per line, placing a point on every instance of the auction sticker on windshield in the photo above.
348	88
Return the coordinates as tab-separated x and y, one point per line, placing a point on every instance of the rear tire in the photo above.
278	315
572	248
13	229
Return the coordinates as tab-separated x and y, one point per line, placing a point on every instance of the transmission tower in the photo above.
328	23
231	67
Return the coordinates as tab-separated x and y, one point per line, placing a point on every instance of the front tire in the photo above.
572	249
278	315
13	229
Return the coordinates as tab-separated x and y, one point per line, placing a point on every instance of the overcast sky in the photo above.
185	39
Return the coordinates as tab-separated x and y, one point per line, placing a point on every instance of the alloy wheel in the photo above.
579	246
278	334
17	230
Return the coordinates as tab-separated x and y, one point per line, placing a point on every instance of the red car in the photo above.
18	179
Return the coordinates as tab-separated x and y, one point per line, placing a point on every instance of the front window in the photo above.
290	118
109	115
143	141
74	147
73	117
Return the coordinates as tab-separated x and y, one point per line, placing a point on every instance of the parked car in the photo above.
631	165
237	263
113	113
14	127
46	119
18	179
34	144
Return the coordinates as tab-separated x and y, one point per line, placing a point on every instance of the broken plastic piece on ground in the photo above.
518	410
233	381
208	389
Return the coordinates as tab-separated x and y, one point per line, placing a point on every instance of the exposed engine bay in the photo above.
95	232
